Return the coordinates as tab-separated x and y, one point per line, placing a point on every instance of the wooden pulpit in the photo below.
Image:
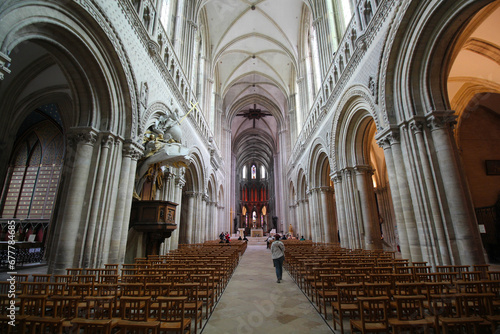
156	219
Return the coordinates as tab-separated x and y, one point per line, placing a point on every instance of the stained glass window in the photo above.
254	172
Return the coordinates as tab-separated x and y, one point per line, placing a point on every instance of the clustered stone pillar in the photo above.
465	238
312	214
95	221
438	252
66	252
130	154
328	213
368	207
386	141
190	228
341	214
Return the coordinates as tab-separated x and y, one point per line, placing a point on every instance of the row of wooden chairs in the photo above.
187	281
98	314
377	292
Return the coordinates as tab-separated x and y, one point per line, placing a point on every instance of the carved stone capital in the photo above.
438	120
107	140
326	189
336	177
192	24
85	136
416	126
132	150
388	137
364	169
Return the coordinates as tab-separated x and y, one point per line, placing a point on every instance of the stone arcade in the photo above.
376	121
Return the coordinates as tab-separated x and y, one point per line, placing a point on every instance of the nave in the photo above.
254	303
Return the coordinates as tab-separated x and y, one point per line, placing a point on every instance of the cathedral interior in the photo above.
371	124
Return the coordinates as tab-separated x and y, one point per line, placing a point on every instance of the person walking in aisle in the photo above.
278	255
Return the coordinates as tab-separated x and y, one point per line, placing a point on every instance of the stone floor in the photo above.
254	303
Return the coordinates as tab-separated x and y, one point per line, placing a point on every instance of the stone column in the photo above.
329	224
354	228
385	140
341	214
95	224
179	184
292	115
301	83
135	152
442	253
312	215
178	28
124	201
308	219
190	228
466	239
70	224
202	219
386	212
368	207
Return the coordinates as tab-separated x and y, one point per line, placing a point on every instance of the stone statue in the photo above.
162	143
169	127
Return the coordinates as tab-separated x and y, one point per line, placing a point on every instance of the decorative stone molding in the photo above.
107	140
364	169
192	24
336	177
437	120
132	150
326	189
417	125
388	137
83	135
105	23
4	61
153	48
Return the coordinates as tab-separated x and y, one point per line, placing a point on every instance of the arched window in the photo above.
32	180
254	172
244	172
262	172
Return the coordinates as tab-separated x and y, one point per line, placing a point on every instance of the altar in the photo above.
257	232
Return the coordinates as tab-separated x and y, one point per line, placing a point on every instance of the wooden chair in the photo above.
65	308
33	306
42	277
193	305
131	289
410	314
142	327
449	314
373	315
379	289
97	315
347	302
328	292
91	326
134	316
41	325
206	290
171	315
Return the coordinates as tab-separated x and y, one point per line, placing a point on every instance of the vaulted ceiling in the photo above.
254	47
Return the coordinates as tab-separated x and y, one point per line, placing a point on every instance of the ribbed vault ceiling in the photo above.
254	52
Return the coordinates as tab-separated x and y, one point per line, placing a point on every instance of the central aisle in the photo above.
254	303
